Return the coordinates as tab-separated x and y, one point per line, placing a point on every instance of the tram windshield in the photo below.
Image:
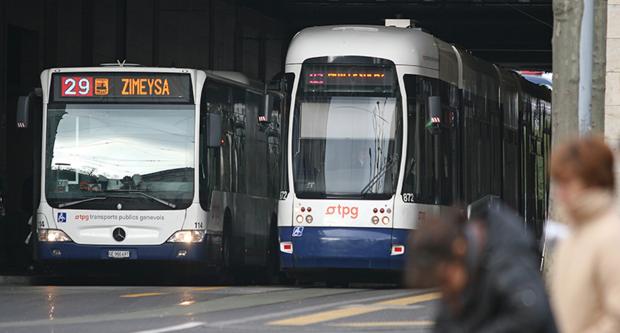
138	156
347	132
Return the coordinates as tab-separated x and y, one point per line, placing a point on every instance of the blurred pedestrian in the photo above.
585	272
487	272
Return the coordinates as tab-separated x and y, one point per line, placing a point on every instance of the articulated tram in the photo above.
155	164
389	125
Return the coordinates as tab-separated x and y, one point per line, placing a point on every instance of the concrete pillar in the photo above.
598	68
566	38
612	93
566	32
567	16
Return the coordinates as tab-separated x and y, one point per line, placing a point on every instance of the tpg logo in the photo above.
343	211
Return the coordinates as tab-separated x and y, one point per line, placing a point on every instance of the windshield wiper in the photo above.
161	201
154	198
378	176
73	203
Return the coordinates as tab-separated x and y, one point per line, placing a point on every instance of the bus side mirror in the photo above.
23	111
214	130
263	116
2	208
24	103
434	114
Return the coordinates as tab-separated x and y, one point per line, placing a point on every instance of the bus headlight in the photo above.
309	219
53	235
375	220
299	219
385	220
187	236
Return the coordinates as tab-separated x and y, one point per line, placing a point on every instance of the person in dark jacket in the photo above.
487	271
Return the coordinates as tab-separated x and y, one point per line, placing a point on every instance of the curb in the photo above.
14	279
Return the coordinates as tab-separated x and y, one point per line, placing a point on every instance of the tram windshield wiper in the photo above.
375	179
77	202
149	196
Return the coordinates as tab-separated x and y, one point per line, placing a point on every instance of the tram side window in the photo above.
213	174
421	171
449	143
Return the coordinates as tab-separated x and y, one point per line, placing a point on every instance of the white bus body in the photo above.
131	169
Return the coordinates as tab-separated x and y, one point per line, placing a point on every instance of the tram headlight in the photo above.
309	218
53	235
299	219
187	236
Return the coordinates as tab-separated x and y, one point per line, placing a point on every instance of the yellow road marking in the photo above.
207	288
141	295
324	316
414	323
352	311
411	299
159	293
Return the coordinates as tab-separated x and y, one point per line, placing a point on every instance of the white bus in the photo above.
155	164
390	125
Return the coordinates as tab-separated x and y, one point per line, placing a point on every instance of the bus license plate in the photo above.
118	254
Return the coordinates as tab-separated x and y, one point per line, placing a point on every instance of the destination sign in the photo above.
348	78
122	88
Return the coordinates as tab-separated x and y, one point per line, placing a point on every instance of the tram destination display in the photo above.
332	78
98	87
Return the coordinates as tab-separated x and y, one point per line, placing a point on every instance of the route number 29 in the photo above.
76	86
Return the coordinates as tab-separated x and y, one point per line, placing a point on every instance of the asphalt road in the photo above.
157	309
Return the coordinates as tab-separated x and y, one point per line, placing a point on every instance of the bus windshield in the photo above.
347	134
120	156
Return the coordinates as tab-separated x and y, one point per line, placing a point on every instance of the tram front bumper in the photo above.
342	248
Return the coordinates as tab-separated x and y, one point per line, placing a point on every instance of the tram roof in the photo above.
403	46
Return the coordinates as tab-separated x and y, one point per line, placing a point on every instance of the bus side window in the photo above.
238	145
255	147
215	99
273	139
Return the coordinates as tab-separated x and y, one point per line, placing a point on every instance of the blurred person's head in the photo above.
579	168
442	255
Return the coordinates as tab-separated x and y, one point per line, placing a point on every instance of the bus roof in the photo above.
108	68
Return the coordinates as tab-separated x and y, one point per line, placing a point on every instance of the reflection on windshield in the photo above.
120	148
346	146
